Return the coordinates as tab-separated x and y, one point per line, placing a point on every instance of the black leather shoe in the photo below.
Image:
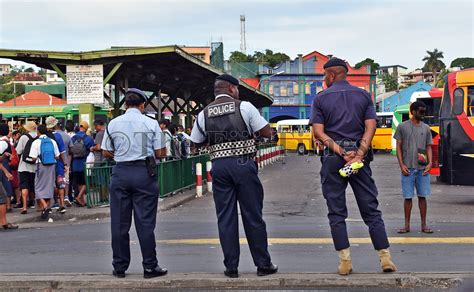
118	274
264	271
153	273
231	273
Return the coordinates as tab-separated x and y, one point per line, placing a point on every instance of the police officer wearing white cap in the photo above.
134	141
228	126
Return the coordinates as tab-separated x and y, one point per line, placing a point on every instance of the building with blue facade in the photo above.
390	102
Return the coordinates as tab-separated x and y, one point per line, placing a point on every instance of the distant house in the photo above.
5	69
416	76
28	78
53	77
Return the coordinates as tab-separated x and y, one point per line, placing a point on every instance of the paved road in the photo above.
295	213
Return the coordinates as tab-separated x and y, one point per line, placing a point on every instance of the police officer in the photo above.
228	126
344	119
134	141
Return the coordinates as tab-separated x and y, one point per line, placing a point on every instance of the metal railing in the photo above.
173	176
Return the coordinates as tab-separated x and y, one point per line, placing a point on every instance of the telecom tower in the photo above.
243	45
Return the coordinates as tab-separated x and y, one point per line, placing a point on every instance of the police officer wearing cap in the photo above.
344	119
134	141
228	126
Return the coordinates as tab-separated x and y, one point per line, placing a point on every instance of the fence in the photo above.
173	176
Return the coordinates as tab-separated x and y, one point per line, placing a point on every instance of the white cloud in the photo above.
391	32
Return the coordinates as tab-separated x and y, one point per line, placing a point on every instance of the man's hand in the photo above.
356	158
349	156
9	176
405	170
427	169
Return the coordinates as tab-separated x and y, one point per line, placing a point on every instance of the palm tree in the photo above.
433	63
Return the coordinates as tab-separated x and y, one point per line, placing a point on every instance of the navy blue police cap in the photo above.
136	92
228	78
334	62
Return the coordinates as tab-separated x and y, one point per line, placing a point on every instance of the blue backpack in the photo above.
47	151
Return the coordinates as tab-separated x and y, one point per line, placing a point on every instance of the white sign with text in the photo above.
85	84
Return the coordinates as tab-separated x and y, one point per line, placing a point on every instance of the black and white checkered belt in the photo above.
230	149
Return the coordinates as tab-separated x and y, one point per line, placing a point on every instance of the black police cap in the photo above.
334	62
228	78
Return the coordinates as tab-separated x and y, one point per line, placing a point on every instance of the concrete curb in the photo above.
18	282
83	214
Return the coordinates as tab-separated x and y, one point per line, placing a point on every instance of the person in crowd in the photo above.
27	168
99	126
44	151
343	118
6	178
134	141
66	140
3	196
414	155
79	148
73	189
62	163
15	136
167	136
184	142
228	125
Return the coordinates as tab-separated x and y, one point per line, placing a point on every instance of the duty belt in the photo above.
230	149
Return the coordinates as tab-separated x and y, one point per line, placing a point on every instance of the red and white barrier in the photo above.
198	180
209	176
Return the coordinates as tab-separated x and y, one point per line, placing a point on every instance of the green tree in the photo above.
42	72
390	82
270	58
442	74
29	69
373	65
433	63
463	63
9	91
239	57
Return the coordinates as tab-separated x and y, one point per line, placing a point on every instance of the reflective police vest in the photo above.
226	131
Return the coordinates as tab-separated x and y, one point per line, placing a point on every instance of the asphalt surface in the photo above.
295	212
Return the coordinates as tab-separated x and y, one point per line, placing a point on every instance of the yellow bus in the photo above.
383	134
295	135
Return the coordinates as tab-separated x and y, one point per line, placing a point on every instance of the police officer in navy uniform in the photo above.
134	141
228	126
344	119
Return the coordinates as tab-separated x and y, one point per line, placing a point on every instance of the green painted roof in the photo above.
176	72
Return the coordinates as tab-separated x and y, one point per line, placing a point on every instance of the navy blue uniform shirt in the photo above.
343	109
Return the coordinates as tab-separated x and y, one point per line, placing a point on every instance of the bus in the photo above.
432	100
295	135
456	147
383	134
401	114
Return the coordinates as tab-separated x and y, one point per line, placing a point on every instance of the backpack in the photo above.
47	151
78	148
14	159
25	156
183	145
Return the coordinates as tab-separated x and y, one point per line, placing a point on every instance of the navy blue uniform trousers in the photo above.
132	189
334	191
236	180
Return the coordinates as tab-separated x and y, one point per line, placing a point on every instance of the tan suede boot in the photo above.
345	262
386	261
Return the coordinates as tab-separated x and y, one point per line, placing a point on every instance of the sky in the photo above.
390	32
